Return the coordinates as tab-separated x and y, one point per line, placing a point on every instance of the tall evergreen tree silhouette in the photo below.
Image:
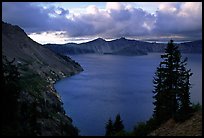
171	83
9	97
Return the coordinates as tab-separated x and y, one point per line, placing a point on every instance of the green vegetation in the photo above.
19	115
196	107
144	128
141	129
33	83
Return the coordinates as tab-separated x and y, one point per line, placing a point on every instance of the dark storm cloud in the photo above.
33	18
181	20
120	15
79	28
26	16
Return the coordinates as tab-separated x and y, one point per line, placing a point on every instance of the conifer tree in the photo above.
9	97
160	112
109	128
171	83
184	94
114	128
118	124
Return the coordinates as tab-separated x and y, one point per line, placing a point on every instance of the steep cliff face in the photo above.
16	44
39	69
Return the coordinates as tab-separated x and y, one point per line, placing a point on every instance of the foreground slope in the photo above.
39	69
190	127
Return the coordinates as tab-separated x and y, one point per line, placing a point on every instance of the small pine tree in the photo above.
118	124
112	129
109	128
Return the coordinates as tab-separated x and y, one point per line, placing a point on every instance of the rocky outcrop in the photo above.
39	69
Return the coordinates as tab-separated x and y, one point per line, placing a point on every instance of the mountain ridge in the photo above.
120	47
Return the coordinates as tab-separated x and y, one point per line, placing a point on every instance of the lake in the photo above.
113	84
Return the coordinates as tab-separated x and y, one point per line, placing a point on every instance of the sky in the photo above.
64	22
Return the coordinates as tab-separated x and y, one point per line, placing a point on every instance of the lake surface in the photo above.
113	84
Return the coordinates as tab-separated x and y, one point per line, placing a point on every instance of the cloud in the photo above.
120	15
92	9
17	13
115	20
168	7
51	37
179	19
114	6
34	18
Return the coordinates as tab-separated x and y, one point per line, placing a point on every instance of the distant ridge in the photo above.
121	46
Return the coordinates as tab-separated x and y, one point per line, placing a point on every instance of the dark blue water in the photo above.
116	84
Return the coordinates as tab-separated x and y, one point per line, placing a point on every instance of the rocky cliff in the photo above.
39	69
